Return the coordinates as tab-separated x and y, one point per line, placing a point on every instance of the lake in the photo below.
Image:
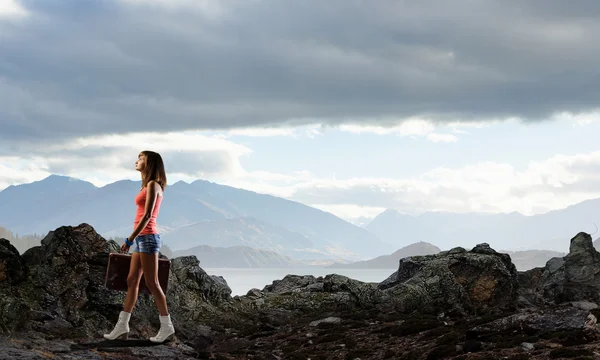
240	280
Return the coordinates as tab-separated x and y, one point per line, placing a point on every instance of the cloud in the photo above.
15	170
72	68
351	212
408	128
11	9
541	186
435	137
107	158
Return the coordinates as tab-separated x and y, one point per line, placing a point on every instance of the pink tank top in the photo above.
140	201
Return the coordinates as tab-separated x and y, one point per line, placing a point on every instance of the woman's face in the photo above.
140	164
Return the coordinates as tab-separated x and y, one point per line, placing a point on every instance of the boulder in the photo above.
12	268
58	289
568	318
479	281
575	277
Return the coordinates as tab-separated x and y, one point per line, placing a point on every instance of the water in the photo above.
240	280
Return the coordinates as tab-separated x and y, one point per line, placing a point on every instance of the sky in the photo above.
352	107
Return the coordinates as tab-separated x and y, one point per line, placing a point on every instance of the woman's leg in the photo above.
150	269
133	282
121	329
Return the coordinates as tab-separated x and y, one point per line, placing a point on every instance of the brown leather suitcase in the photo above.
118	269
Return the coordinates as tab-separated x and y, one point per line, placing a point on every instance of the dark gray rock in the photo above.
574	277
290	283
12	268
561	319
58	289
477	281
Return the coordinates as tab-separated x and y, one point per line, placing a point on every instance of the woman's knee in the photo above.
152	284
132	281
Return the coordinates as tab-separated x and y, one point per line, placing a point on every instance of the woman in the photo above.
144	259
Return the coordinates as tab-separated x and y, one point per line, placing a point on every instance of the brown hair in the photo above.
154	169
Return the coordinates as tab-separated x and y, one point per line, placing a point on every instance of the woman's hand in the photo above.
124	248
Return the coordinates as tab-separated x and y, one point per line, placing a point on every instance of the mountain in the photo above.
22	207
188	210
529	259
247	232
512	231
391	261
238	257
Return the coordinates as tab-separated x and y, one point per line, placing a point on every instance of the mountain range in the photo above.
512	232
192	214
238	257
523	260
391	261
206	213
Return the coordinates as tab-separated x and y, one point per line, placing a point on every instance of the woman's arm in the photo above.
151	195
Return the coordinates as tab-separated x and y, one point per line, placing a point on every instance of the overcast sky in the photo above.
349	106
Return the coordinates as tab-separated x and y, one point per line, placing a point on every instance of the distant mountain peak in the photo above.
390	213
63	180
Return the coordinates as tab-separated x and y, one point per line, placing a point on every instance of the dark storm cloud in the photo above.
78	68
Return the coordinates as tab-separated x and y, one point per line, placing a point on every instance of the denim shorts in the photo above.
149	243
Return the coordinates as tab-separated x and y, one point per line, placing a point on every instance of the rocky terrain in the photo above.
457	304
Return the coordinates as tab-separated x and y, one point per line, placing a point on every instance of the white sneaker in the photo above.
166	330
121	329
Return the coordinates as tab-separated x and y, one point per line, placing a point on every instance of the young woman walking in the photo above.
144	259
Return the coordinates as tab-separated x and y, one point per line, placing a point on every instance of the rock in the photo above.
318	287
328	320
472	345
561	319
435	306
527	347
310	295
188	273
575	277
204	339
254	293
481	281
59	327
12	268
58	288
528	292
584	305
591	321
290	283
